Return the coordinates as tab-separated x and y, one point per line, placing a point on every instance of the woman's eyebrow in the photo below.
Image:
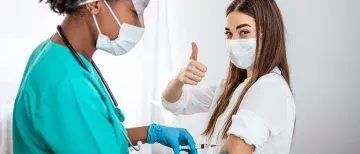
242	25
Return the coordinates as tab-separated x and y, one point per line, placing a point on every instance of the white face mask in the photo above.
242	52
129	36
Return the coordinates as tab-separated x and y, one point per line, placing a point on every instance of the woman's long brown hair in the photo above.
270	54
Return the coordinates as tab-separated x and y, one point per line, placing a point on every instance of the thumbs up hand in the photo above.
195	71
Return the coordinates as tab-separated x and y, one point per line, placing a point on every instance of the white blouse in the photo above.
265	118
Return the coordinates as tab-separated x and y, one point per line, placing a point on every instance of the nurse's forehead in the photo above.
235	19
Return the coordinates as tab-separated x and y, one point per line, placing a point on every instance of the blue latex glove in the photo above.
171	137
224	153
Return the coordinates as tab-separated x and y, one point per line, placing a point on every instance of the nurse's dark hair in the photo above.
63	6
272	54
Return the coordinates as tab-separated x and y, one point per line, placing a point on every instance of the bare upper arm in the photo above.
235	145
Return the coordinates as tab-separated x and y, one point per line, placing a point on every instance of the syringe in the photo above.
198	146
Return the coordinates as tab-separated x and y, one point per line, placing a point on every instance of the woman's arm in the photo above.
265	111
173	90
235	145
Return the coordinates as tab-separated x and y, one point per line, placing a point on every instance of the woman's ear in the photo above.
94	7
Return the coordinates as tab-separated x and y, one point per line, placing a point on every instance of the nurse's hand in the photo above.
171	137
195	71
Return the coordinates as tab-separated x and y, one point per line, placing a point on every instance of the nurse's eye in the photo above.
135	14
136	19
228	35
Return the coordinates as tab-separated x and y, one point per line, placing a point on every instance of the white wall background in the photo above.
323	48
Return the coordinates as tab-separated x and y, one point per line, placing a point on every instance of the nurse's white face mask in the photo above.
129	36
242	52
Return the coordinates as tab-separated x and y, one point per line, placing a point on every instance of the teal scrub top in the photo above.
63	108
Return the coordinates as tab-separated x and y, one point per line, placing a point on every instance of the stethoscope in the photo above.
117	110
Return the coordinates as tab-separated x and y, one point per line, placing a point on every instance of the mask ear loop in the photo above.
97	25
112	12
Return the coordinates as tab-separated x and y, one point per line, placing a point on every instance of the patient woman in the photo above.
252	111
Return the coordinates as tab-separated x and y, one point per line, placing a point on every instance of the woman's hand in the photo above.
171	137
195	71
191	74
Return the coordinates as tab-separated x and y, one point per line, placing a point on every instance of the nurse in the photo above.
64	105
251	111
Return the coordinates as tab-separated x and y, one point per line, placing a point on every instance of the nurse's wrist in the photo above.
138	134
154	132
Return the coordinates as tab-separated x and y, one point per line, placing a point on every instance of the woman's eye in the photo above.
244	32
228	35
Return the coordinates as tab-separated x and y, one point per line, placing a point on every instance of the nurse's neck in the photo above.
79	35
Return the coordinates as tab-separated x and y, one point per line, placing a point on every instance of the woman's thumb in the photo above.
194	53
